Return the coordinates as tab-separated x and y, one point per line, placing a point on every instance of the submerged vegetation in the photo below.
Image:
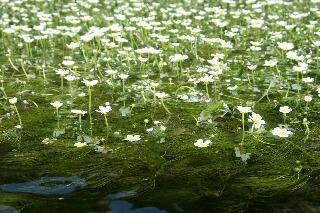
210	106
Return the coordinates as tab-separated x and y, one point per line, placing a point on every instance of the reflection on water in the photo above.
66	189
124	206
47	185
123	194
7	209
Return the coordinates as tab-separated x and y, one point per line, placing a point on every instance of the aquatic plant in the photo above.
13	101
202	143
283	133
57	105
243	110
80	113
104	111
89	84
161	96
204	62
285	110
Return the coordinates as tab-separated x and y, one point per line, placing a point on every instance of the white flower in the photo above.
79	144
157	122
79	112
232	88
133	138
184	97
13	100
123	76
73	45
70	77
300	69
82	94
244	109
111	72
252	67
17	126
204	115
89	83
163	128
292	55
285	109
214	62
256	119
62	72
161	95
178	57
270	63
206	79
143	59
104	109
150	129
201	143
28	40
154	84
308	80
215	73
285	45
283	133
49	140
56	104
68	62
307	98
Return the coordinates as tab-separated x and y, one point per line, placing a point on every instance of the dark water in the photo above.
71	194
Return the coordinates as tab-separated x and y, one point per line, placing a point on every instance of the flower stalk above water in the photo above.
13	101
79	113
62	73
161	96
89	84
104	111
243	110
123	77
57	105
285	110
207	79
256	120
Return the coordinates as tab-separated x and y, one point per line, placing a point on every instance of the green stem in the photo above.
61	76
242	128
14	67
89	90
144	98
106	120
215	89
16	109
58	118
298	82
80	126
165	106
253	81
207	91
154	95
123	89
21	62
